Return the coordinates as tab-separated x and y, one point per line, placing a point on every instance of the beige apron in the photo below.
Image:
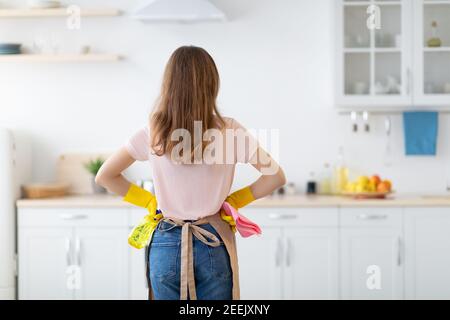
189	229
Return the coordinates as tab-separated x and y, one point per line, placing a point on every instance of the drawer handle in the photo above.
279	252
288	252
78	251
400	251
372	216
68	251
73	216
278	216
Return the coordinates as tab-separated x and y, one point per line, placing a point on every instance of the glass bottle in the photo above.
340	177
325	184
434	41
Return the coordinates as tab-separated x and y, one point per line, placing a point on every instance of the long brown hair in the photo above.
189	92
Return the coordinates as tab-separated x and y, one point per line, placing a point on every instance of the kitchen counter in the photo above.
298	201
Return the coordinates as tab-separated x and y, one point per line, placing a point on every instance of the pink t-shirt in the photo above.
191	191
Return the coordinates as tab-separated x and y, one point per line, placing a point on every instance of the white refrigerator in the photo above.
14	170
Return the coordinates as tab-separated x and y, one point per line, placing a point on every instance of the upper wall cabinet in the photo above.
393	53
432	52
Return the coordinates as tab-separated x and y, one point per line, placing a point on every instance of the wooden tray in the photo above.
47	190
367	195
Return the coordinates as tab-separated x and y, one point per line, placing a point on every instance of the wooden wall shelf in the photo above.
60	58
57	12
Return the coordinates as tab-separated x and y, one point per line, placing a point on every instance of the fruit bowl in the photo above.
368	188
367	195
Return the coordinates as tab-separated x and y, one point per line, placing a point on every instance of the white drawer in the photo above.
65	217
293	217
371	217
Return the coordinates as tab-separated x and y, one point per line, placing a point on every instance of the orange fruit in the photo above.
388	184
383	188
375	179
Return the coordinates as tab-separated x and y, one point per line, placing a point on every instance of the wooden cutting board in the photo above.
70	169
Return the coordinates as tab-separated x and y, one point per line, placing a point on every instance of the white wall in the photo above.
276	59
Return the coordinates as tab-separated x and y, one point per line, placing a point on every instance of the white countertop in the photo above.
298	201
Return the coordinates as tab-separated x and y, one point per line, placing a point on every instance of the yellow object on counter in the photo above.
340	180
340	174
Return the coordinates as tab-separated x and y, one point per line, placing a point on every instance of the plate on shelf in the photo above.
367	195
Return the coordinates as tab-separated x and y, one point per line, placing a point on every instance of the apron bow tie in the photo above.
189	229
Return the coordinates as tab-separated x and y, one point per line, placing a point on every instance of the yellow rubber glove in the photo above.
142	233
240	198
237	200
141	198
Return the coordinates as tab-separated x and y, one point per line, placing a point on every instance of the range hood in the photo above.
178	11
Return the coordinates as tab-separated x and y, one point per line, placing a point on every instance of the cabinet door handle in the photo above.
68	216
279	216
399	252
78	251
279	252
288	252
365	216
68	251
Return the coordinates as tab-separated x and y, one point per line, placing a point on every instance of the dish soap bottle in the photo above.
434	41
340	177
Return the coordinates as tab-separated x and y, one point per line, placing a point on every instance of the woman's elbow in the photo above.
281	178
100	178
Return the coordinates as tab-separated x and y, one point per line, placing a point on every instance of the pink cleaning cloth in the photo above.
244	226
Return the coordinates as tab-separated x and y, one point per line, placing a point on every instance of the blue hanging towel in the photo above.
421	129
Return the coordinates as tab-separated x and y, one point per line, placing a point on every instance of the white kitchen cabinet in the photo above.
311	263
295	258
138	279
102	256
383	60
372	253
427	240
303	253
431	76
374	65
73	254
260	270
44	258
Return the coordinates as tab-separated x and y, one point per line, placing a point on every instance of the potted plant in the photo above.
93	167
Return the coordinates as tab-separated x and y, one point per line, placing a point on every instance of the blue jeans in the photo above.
213	275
